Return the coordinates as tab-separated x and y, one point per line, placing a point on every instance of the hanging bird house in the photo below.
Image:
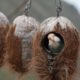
55	49
19	43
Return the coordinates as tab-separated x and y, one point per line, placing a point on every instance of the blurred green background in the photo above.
41	9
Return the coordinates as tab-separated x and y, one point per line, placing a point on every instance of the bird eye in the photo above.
52	43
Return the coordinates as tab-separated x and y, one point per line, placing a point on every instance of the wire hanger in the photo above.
58	7
27	7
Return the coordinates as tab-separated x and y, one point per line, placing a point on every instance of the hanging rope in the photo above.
58	7
15	11
28	6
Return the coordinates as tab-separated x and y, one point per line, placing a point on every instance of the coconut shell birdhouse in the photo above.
55	49
19	43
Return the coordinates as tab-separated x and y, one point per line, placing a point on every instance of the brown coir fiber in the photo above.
3	33
65	63
13	57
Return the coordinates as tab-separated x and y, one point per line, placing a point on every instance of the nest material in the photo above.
13	55
3	33
13	51
19	43
64	62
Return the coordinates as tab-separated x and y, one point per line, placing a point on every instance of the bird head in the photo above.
53	43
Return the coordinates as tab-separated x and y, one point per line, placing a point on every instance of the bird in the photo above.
4	26
54	43
19	44
55	49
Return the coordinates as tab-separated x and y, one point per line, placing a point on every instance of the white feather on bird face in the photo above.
53	40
